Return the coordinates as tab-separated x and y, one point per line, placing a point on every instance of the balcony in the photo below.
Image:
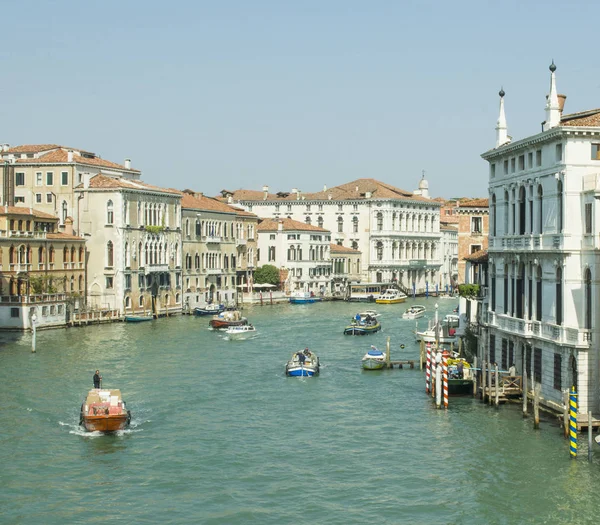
241	242
156	268
417	263
20	267
212	239
214	271
539	330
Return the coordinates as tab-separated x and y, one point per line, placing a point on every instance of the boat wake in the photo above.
78	430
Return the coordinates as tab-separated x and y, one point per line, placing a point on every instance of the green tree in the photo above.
267	274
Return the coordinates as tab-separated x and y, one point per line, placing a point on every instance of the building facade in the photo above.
473	230
543	261
449	254
133	233
346	269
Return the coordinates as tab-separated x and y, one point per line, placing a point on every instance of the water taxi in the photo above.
391	296
367	326
303	363
209	309
104	411
460	377
374	359
240	332
226	319
414	312
304	298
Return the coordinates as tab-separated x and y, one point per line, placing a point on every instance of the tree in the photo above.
267	274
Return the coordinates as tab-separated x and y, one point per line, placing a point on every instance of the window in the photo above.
128	302
538	158
272	236
340	222
19	179
506	167
128	281
49	178
537	365
559	152
521	162
530	159
64	211
64	178
492	170
380	221
49	198
20	199
588	217
595	151
513	165
557	372
355	225
109	282
141	301
320	222
109	254
39	178
340	207
109	213
38	198
476	224
14	313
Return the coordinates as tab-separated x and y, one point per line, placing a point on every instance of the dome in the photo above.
423	184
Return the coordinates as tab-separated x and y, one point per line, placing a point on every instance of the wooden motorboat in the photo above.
414	312
460	377
304	298
391	296
241	331
104	411
303	363
228	318
374	359
138	318
209	309
368	313
368	326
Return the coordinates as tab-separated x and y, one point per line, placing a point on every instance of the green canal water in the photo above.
220	435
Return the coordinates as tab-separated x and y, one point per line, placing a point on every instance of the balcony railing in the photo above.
24	234
214	271
241	242
33	299
212	239
20	267
156	268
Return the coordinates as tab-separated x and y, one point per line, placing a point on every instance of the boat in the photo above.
369	313
104	411
241	331
367	326
446	334
391	296
209	309
414	312
460	377
228	318
298	297
303	363
452	320
138	318
374	359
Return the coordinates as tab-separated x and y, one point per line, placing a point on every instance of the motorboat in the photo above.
303	363
138	318
391	296
445	334
374	359
452	320
414	312
460	377
369	313
209	309
299	297
104	411
226	319
367	326
240	332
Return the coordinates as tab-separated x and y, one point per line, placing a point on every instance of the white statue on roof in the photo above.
423	190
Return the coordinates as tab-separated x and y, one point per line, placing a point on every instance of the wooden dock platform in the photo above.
401	364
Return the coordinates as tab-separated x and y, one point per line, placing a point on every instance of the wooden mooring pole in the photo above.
489	379
474	376
589	437
497	385
483	385
536	406
524	393
387	354
566	413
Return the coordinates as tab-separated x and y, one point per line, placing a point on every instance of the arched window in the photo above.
540	208
354	245
110	217
340	223
494	215
307	220
522	210
506	213
355	225
559	197
379	249
538	294
64	211
559	296
588	298
320	222
380	221
109	254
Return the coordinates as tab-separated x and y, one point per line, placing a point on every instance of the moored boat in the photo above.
367	326
414	312
104	411
240	332
391	296
460	377
138	318
303	363
209	309
374	359
299	297
226	319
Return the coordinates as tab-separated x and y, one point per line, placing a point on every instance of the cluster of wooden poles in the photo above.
437	364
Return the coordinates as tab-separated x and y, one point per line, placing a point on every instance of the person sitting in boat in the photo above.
97	379
357	318
307	352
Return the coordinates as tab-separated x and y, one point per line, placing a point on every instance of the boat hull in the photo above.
218	324
391	301
110	423
296	371
305	301
203	311
373	364
138	318
361	330
460	387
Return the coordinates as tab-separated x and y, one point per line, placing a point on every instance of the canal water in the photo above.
220	435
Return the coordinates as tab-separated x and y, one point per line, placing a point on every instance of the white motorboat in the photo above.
240	332
374	359
414	312
368	313
445	334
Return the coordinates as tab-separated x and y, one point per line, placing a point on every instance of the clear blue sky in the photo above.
238	94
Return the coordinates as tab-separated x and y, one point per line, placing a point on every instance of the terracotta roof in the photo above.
268	225
200	202
106	182
583	118
243	213
350	191
336	248
480	256
474	203
60	156
64	237
36	148
22	210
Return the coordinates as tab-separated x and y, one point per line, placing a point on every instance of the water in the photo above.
220	436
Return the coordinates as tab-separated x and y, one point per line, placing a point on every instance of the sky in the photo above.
301	94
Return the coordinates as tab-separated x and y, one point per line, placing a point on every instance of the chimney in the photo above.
294	190
325	187
266	192
5	147
86	180
280	226
68	226
561	102
127	164
368	194
230	200
69	156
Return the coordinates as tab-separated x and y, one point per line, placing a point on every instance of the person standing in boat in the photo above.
97	379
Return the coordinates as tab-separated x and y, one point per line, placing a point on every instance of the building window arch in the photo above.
588	298
355	225
559	296
559	198
307	220
109	254
320	222
379	221
540	194
110	215
379	250
538	294
340	223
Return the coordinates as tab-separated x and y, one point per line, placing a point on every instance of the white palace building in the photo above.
397	232
544	246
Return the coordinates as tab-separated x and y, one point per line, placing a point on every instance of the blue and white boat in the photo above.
374	359
209	309
304	298
138	318
303	363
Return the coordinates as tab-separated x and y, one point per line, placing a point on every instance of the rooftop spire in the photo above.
501	129
552	106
